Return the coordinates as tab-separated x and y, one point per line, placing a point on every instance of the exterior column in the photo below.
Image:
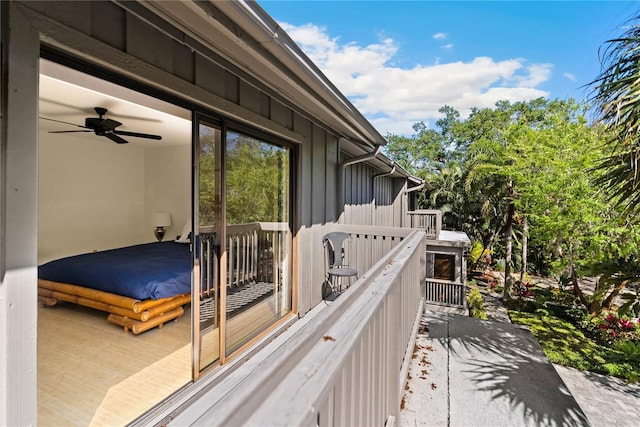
18	213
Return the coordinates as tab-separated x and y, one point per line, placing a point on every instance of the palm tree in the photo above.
444	191
616	98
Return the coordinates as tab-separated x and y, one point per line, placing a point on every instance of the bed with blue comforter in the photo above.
142	286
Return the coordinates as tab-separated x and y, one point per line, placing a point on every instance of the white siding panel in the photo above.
281	114
107	22
304	202
253	99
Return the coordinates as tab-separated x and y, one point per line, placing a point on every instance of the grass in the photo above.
566	345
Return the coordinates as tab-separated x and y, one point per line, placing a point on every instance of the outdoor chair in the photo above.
336	261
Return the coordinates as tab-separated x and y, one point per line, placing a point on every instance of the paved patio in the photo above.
469	372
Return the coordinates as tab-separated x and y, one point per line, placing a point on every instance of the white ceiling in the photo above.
70	96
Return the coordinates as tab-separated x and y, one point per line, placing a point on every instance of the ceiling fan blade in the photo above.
136	134
68	131
115	138
66	123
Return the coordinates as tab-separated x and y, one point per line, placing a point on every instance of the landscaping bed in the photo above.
606	344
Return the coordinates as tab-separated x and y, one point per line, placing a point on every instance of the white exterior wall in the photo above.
372	197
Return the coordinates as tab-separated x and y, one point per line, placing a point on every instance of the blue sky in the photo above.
400	61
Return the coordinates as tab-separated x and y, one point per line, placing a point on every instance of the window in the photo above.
444	267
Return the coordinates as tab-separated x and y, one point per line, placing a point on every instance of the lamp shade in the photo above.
161	219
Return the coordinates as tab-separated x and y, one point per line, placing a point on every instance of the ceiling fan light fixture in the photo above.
105	127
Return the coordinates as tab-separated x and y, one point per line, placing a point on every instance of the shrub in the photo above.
630	351
562	296
618	329
478	256
475	301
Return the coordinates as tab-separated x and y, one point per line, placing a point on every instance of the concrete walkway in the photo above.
469	372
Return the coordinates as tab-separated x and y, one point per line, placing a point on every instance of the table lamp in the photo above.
160	221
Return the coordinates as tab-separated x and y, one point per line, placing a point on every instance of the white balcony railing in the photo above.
347	364
445	292
428	220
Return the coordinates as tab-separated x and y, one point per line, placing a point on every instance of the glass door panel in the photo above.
207	249
258	249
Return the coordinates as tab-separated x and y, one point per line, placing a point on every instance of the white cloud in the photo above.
394	98
447	46
570	76
439	36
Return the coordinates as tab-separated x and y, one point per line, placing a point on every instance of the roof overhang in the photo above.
243	34
253	45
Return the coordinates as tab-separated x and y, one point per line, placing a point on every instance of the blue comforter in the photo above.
148	271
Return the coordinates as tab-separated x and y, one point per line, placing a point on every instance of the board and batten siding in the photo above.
372	197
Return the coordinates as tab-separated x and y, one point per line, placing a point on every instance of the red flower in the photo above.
610	318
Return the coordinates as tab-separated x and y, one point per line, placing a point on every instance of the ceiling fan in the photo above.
104	127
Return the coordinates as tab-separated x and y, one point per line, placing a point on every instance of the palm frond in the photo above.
616	97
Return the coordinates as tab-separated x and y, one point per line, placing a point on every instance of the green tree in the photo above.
524	175
257	179
522	164
427	149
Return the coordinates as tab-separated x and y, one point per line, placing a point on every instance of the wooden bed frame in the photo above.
130	313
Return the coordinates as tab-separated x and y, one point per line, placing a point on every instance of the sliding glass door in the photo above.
242	244
207	251
258	285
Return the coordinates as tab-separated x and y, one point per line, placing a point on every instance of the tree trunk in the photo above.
577	291
608	302
525	242
508	230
